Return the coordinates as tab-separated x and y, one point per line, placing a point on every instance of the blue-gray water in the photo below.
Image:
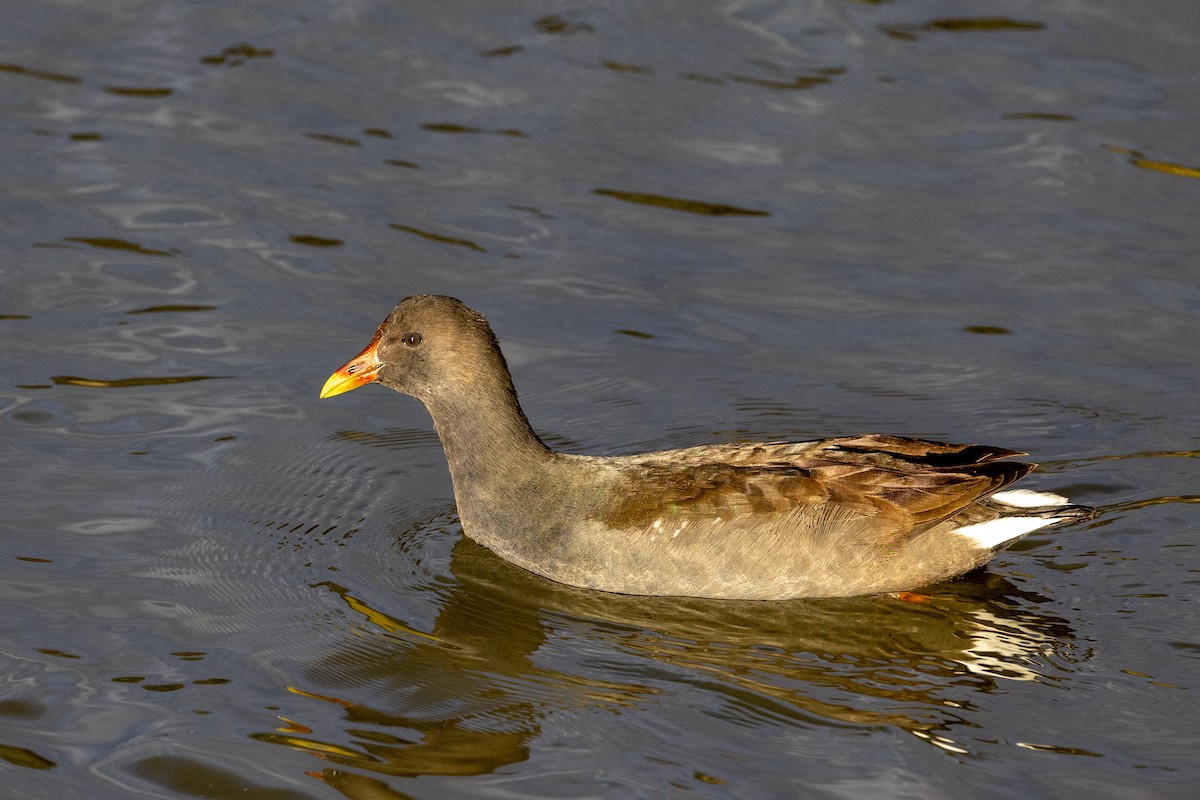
688	222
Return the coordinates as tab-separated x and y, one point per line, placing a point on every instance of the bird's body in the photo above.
834	517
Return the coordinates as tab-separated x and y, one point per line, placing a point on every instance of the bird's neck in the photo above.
488	441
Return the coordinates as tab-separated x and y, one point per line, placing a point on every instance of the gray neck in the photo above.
488	441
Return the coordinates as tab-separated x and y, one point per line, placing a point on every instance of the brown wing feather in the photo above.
931	453
906	485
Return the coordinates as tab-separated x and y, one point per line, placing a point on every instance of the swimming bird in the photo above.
750	521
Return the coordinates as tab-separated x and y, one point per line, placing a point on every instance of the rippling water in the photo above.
688	223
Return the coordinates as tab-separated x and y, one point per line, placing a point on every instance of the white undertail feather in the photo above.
997	532
1025	498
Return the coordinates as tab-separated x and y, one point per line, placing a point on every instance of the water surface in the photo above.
688	223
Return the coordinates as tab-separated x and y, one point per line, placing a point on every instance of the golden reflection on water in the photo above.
981	24
470	695
171	308
1140	161
29	72
123	383
236	55
437	237
681	204
960	25
344	141
1152	501
113	243
23	757
140	91
798	83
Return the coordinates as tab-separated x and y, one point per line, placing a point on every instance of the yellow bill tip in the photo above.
339	384
361	369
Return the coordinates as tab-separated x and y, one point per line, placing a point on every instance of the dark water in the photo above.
688	222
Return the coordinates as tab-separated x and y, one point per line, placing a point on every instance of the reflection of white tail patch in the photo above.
996	532
1005	648
1024	498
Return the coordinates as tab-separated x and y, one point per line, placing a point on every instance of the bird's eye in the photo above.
412	339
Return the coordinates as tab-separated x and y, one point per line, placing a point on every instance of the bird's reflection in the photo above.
509	649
